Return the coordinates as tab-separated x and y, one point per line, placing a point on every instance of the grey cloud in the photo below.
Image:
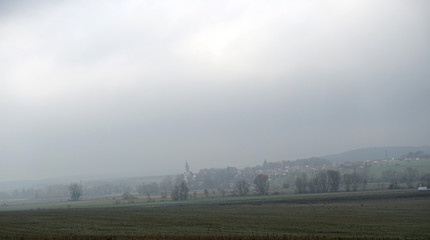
133	88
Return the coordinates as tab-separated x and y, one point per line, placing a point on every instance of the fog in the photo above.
140	87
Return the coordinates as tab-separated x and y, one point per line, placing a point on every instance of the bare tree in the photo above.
301	182
322	181
175	194
426	178
223	192
357	179
128	196
393	177
145	189
334	180
347	179
75	191
184	191
262	184
410	175
242	187
180	192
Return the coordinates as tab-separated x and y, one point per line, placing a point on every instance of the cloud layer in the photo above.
140	87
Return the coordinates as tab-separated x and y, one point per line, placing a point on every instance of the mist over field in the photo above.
138	88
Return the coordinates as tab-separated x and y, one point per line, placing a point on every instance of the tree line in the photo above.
301	175
324	181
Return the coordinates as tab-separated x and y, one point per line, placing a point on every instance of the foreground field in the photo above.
383	216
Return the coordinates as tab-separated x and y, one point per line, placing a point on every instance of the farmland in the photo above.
362	215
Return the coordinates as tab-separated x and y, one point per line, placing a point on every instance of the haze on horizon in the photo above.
141	87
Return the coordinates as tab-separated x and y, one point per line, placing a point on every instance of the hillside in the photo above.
374	153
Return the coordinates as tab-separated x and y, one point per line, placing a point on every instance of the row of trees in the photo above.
239	182
324	181
261	185
51	191
331	180
177	191
408	177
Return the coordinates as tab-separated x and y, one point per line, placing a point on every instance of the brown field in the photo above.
337	216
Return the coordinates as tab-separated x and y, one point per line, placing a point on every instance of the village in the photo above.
412	170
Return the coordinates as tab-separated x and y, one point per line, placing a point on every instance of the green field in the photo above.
422	165
361	215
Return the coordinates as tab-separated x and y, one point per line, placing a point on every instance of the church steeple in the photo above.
187	173
187	168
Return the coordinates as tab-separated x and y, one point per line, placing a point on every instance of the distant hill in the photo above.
375	153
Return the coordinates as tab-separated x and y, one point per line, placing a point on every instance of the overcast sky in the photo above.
141	87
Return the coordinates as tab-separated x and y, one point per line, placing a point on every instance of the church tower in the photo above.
187	173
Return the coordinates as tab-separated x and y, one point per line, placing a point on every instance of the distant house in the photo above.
423	189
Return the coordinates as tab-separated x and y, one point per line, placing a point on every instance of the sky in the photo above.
138	88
